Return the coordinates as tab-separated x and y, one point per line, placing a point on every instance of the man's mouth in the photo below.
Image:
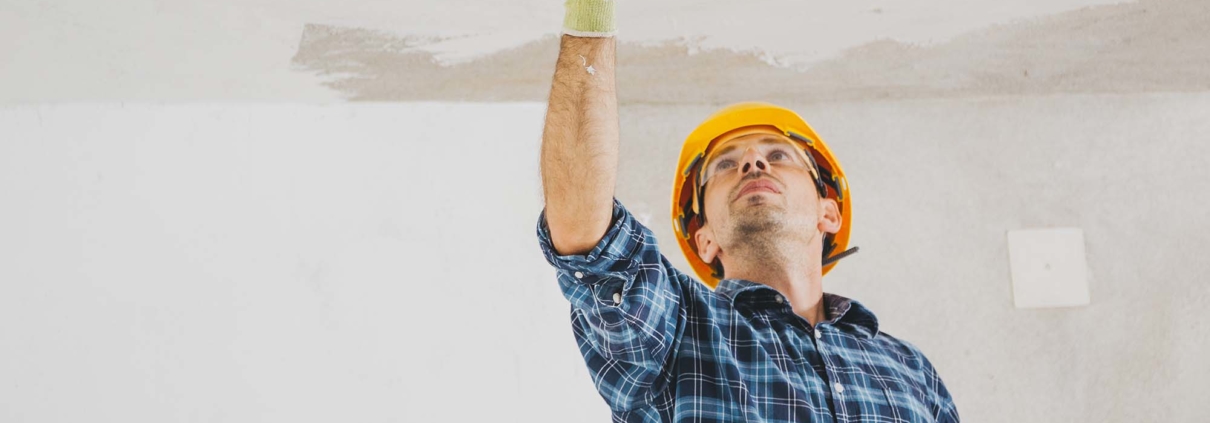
757	186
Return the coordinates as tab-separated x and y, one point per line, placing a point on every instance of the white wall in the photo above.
378	262
280	263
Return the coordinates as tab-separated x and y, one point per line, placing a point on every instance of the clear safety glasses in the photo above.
727	162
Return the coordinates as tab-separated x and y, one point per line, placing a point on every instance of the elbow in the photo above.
570	242
576	232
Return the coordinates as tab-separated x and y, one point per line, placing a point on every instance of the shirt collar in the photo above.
839	308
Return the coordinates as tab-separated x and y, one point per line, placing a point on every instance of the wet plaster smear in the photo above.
274	50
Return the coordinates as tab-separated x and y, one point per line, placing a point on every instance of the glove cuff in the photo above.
589	18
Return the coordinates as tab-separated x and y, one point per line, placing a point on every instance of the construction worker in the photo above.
761	209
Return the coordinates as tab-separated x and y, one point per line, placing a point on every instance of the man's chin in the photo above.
757	215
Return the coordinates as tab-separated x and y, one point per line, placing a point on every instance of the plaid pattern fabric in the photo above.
662	347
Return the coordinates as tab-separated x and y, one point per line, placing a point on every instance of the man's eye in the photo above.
724	164
778	155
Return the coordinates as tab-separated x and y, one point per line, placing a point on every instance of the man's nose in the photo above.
753	160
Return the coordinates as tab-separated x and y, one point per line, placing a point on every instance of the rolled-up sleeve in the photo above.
625	309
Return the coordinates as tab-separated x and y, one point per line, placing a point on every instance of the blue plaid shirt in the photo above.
663	347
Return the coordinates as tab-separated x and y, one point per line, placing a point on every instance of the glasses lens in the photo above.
776	153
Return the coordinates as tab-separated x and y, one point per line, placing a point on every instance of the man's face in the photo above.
759	189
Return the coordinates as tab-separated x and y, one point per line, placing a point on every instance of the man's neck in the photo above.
799	280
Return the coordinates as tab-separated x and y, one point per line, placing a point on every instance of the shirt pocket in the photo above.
908	398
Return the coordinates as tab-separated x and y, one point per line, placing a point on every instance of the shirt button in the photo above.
617	298
818	334
579	275
839	388
781	300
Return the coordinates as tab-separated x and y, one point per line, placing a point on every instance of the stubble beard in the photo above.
758	229
764	232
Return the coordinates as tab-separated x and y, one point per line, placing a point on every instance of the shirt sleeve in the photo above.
625	309
943	404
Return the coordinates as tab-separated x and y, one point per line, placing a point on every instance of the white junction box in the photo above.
1048	267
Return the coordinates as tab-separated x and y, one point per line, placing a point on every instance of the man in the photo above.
759	206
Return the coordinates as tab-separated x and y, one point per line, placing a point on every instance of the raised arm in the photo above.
580	139
625	298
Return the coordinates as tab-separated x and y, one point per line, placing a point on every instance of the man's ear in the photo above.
707	247
829	219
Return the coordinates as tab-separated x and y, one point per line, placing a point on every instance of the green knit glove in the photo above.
589	18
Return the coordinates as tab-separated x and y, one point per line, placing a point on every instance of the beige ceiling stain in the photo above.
1153	46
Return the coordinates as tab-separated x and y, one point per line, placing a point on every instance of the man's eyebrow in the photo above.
770	139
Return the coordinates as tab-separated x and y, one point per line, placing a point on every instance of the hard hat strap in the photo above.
846	253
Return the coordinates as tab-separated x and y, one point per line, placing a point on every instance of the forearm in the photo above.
580	143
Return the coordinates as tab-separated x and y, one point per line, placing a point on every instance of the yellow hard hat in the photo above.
733	121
